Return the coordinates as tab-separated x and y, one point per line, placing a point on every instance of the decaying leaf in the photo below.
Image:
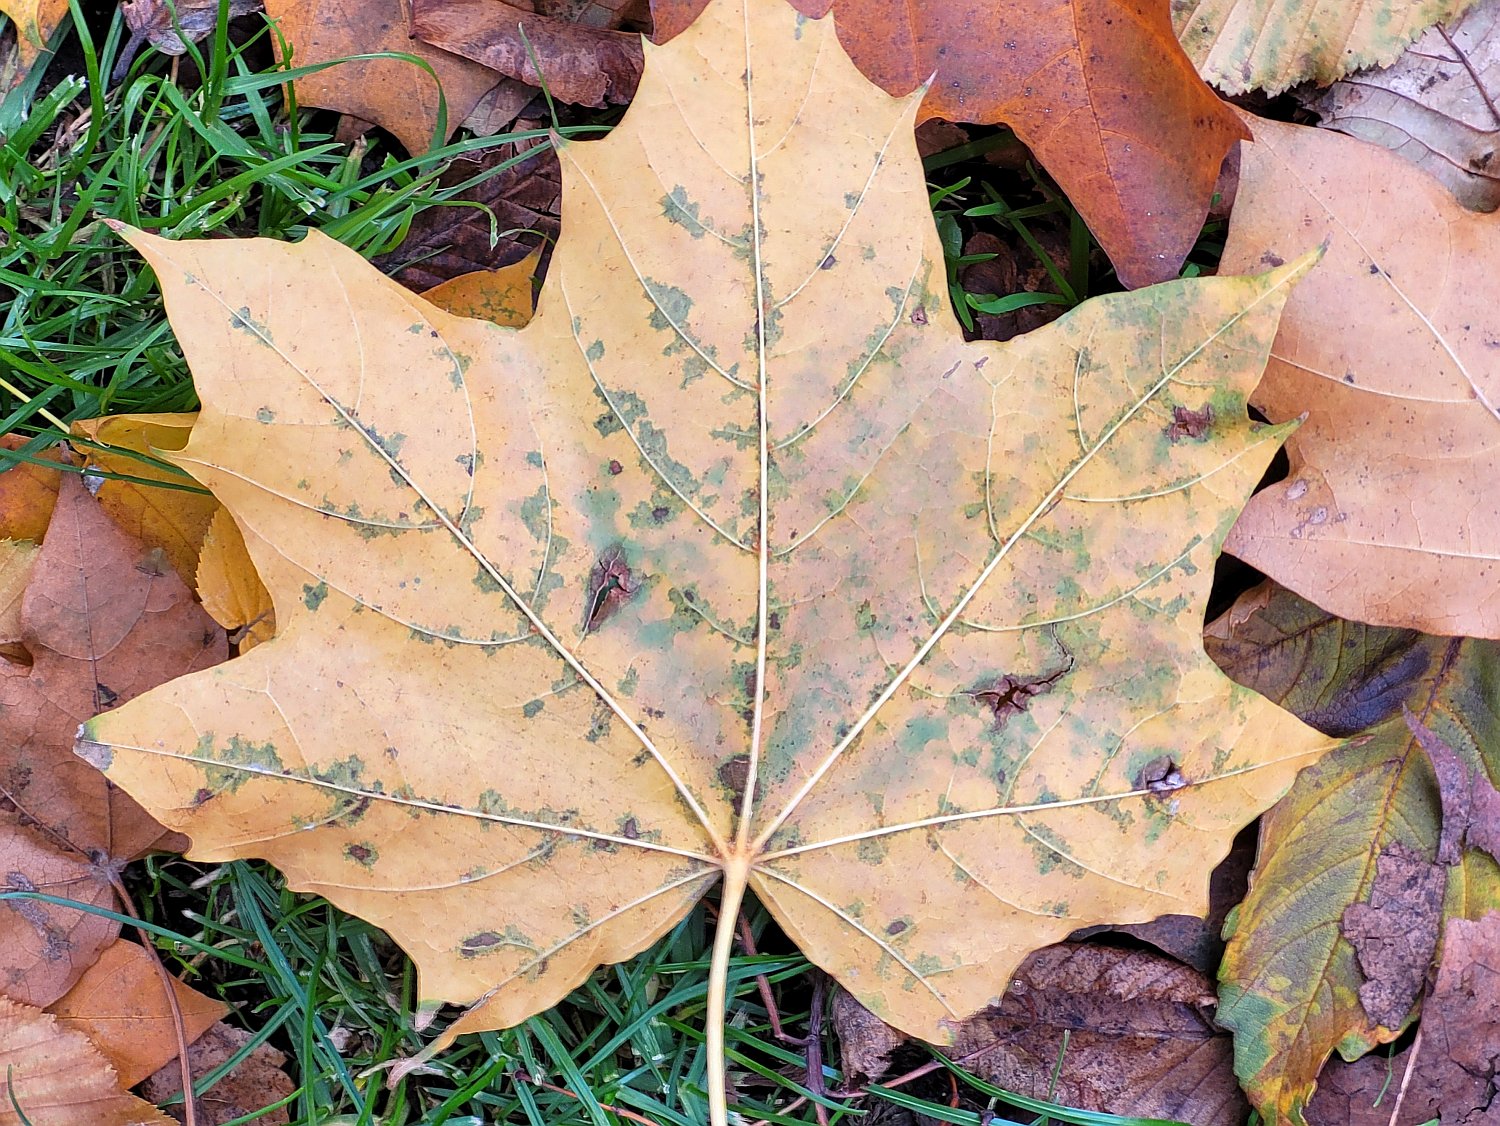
504	297
1449	1074
163	23
1290	981
1241	45
900	632
160	508
1469	800
1388	514
35	21
256	1081
1434	106
54	1077
231	589
396	94
1099	89
589	66
119	1004
103	620
1140	1037
1395	933
505	217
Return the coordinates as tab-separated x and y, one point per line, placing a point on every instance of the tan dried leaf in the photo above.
735	562
55	1077
1388	514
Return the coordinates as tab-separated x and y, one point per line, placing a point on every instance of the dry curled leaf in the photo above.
817	596
120	1005
1090	1027
1434	106
586	65
1241	45
259	1080
1388	513
164	23
53	1076
1290	982
1099	90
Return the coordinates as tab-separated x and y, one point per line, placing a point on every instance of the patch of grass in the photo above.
209	146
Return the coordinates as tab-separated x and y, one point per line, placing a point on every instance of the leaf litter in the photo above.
831	534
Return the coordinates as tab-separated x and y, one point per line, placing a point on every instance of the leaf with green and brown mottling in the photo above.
1289	985
1241	45
735	562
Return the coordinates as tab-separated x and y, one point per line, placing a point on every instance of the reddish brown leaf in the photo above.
1140	1037
586	65
103	620
256	1082
395	94
1100	90
1395	933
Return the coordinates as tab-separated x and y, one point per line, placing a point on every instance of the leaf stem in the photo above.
736	876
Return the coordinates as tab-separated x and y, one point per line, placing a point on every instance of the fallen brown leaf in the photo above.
586	65
103	620
54	1076
119	1004
1434	106
1089	1027
518	206
257	1081
1388	514
395	94
1395	933
163	23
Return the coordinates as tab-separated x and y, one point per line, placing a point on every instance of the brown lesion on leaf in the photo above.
1012	693
1190	424
1161	775
610	583
734	774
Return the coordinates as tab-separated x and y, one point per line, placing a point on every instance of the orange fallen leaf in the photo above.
1388	513
1099	89
35	22
901	633
28	492
504	297
231	589
17	558
120	1006
53	1076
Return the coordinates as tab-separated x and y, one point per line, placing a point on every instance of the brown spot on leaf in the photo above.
1192	424
895	928
733	775
1160	776
919	316
481	943
610	584
1011	694
615	468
